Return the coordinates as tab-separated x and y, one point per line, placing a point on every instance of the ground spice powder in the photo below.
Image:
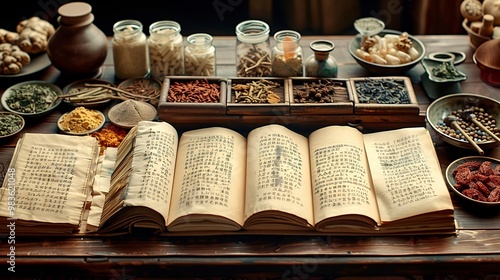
81	120
130	112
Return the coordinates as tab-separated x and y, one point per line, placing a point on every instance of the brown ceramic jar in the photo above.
78	47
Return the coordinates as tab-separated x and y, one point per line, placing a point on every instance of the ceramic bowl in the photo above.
460	186
444	106
487	59
146	89
387	70
82	85
31	94
65	131
10	124
475	38
126	114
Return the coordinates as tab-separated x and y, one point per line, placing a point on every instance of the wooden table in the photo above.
474	251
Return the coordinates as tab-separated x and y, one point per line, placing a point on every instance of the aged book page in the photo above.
142	178
408	179
278	182
50	180
341	182
209	182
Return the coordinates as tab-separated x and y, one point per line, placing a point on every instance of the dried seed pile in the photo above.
261	91
382	91
196	91
321	91
476	133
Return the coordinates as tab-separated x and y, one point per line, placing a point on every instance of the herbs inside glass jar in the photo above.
31	98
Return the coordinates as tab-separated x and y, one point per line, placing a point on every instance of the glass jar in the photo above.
253	49
199	55
130	51
166	49
321	63
287	56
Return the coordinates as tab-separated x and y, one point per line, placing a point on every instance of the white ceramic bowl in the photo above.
386	70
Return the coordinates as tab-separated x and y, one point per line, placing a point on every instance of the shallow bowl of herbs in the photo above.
379	67
10	124
31	98
459	106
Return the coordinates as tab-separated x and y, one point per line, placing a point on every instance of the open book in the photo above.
336	181
48	184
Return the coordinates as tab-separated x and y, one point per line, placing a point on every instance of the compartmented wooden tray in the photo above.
305	117
384	96
317	96
257	96
192	96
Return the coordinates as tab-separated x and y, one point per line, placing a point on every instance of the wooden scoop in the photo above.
452	122
470	116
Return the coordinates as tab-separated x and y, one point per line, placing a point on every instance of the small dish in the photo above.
37	64
440	67
445	106
488	165
78	121
142	89
10	124
43	93
126	114
95	99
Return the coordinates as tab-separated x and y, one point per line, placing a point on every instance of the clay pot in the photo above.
77	47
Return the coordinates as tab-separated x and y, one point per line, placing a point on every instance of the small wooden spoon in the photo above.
470	116
452	122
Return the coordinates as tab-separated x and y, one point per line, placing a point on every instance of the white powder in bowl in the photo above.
130	112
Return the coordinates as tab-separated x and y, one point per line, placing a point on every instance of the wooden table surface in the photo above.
475	250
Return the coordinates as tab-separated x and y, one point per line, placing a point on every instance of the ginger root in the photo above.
7	36
12	59
34	34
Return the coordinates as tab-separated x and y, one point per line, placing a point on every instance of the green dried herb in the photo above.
31	98
9	124
446	70
383	91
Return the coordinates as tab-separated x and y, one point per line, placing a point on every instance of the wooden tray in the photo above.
166	108
281	108
376	107
316	108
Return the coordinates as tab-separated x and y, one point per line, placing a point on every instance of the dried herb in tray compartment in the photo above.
194	91
382	91
259	91
321	91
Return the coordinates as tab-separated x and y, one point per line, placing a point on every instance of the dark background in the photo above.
220	17
216	17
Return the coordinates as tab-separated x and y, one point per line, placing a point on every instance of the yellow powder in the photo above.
81	120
